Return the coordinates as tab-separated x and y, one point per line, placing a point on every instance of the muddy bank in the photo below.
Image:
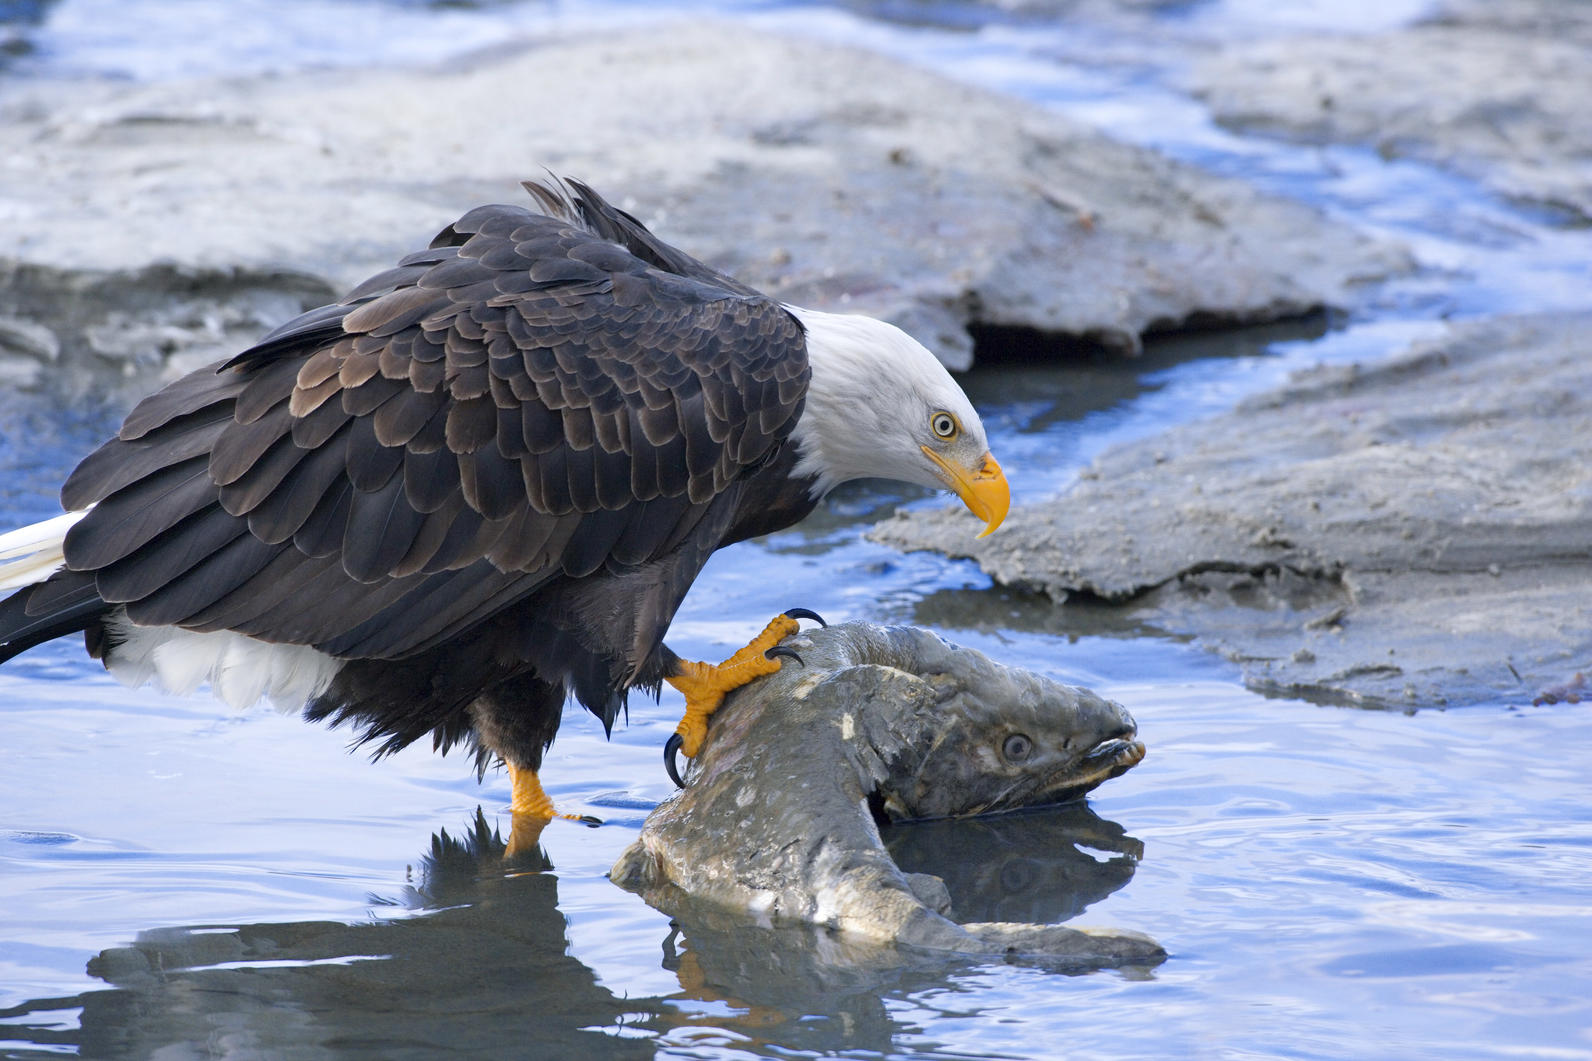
1406	534
1494	91
830	177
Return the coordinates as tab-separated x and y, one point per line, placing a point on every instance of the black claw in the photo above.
781	650
671	748
805	613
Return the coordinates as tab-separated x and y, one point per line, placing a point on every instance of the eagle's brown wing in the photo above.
535	396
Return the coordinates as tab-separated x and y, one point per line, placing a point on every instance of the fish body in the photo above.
781	816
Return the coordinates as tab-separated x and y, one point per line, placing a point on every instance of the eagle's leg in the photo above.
515	719
532	808
705	684
528	796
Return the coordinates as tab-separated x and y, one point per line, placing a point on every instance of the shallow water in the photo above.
1329	882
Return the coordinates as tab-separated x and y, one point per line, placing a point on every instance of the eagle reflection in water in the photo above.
476	961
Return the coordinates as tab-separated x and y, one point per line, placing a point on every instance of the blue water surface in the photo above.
176	879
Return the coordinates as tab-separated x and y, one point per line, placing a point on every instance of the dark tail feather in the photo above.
62	604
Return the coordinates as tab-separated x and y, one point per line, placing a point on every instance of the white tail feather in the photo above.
32	554
240	670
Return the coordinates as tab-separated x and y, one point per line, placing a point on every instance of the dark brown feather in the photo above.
434	529
168	556
198	390
491	482
381	528
263	478
370	465
315	430
471	424
322	531
265	390
400	420
133	515
121	463
278	517
242	446
430	478
217	572
287	575
438	607
578	412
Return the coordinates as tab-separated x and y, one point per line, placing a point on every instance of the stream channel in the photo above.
178	881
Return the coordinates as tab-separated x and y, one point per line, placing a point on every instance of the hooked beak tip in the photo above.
983	490
994	495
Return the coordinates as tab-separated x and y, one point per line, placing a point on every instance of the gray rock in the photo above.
1540	18
77	326
1496	92
979	13
777	823
1410	534
829	177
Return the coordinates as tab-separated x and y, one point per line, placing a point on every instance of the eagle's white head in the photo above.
881	406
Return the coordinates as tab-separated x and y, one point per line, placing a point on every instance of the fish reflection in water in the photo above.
1027	866
483	968
1036	866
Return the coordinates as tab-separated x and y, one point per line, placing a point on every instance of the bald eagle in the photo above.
480	483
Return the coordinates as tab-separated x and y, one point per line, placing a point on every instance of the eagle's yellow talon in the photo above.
692	729
705	684
778	629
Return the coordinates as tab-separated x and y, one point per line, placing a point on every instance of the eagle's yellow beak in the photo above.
982	489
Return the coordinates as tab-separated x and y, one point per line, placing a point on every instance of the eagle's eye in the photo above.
944	425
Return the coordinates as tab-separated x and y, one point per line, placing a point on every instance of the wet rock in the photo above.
1495	91
78	327
778	823
1540	18
1407	534
980	13
829	177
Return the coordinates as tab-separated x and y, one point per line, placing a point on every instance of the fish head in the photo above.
1004	740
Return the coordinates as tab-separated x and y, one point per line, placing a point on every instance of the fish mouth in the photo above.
1110	758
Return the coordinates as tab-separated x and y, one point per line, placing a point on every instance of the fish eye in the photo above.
1018	876
944	425
1017	747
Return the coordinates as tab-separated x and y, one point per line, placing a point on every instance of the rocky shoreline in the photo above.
1494	92
1400	534
156	227
1405	534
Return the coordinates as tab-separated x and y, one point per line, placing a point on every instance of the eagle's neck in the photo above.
843	418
